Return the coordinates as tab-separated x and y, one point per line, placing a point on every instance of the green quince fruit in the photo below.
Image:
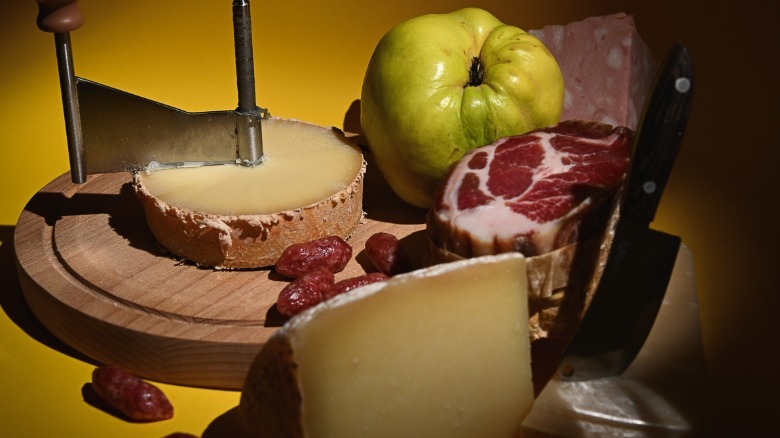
439	85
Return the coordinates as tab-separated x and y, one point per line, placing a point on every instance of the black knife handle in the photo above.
659	135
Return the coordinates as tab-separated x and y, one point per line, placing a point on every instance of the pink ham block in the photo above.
607	69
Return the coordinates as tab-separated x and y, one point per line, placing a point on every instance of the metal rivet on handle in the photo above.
649	187
682	84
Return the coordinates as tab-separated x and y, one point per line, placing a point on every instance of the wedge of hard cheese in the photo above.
439	352
229	216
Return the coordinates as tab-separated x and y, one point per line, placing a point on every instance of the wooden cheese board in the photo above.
94	276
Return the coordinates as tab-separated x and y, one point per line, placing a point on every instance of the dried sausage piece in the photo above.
331	253
350	283
136	399
385	252
304	292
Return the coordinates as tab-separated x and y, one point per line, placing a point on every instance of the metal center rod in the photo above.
70	106
248	127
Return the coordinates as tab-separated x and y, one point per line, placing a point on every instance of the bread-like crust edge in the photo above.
270	404
249	241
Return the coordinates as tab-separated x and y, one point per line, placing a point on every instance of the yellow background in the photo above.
310	58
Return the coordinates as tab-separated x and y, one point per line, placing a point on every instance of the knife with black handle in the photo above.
640	260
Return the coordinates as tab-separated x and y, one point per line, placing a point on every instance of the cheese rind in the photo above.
442	351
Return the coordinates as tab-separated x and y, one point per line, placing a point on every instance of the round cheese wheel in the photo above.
310	185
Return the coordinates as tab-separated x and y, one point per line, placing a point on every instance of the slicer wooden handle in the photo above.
58	16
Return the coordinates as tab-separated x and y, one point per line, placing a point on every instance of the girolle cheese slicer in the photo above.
109	130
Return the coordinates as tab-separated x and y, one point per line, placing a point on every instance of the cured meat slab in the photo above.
607	69
549	195
529	193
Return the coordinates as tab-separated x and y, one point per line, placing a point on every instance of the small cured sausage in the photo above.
351	283
331	253
385	252
304	292
134	398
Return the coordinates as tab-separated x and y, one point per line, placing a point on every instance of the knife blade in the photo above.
121	131
640	260
109	130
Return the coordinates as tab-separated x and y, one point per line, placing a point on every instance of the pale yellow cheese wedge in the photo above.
439	352
229	216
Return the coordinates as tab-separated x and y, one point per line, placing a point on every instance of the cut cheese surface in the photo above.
304	164
440	352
